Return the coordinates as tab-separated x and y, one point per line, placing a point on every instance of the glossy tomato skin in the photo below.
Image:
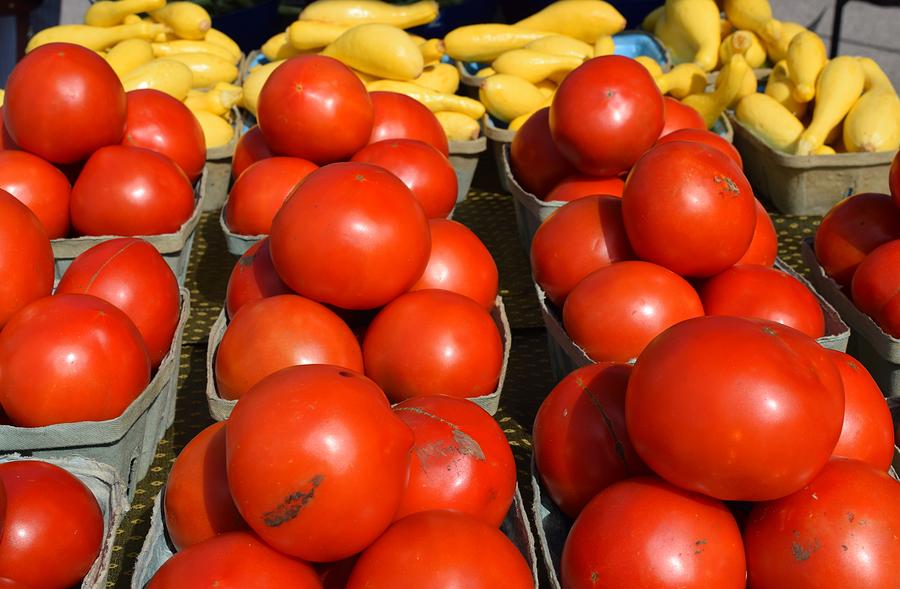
441	550
250	148
198	504
10	584
63	102
605	114
313	107
235	560
53	528
770	424
876	286
680	116
460	460
581	445
352	235
277	332
577	239
640	301
701	135
424	170
6	141
536	162
258	193
159	122
580	186
674	539
253	278
681	198
840	530
132	275
130	191
400	117
764	246
329	433
26	258
853	228
40	186
460	263
433	342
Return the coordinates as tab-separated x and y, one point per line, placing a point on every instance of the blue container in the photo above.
252	26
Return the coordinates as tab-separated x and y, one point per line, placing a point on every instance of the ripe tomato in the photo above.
253	278
840	530
580	442
535	161
853	228
674	539
460	263
10	584
605	114
764	246
461	460
400	117
250	148
441	550
580	186
132	275
277	332
26	258
198	504
6	141
433	342
893	180
351	235
577	239
639	301
680	116
424	170
69	358
63	102
235	560
40	186
769	425
680	198
301	446
130	191
258	193
315	108
701	135
53	529
876	286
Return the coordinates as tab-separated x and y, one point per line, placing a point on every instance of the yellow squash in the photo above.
604	46
682	80
432	50
745	43
652	65
749	87
186	19
837	90
353	12
547	88
780	87
166	75
108	13
457	126
749	15
183	46
711	105
485	72
874	75
96	38
278	47
208	69
507	97
131	19
770	121
2	94
128	55
442	77
534	66
586	20
222	40
253	84
806	57
435	101
873	124
562	45
309	35
219	100
649	22
380	50
725	27
690	30
487	42
216	130
776	37
516	123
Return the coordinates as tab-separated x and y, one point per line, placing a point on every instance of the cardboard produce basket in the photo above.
109	490
218	167
220	408
126	443
464	157
237	243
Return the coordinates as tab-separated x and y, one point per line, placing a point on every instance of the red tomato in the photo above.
253	278
198	504
132	275
876	286
868	430
424	170
577	239
250	148
769	424
644	532
441	550
352	235
580	442
130	191
63	102
235	560
680	199
277	332
764	246
460	263
762	292
69	358
10	584
680	116
334	575
334	435
461	460
6	141
605	114
433	342
400	117
639	301
535	161
840	530
580	186
258	193
53	528
893	179
26	259
853	228
315	108
701	135
40	186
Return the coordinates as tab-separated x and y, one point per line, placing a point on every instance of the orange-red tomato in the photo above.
764	246
581	185
876	286
701	135
253	278
250	148
400	117
40	186
6	141
258	193
535	161
679	116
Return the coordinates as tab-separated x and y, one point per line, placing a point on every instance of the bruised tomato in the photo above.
258	193
580	185
398	116
764	246
253	278
39	186
250	148
535	161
